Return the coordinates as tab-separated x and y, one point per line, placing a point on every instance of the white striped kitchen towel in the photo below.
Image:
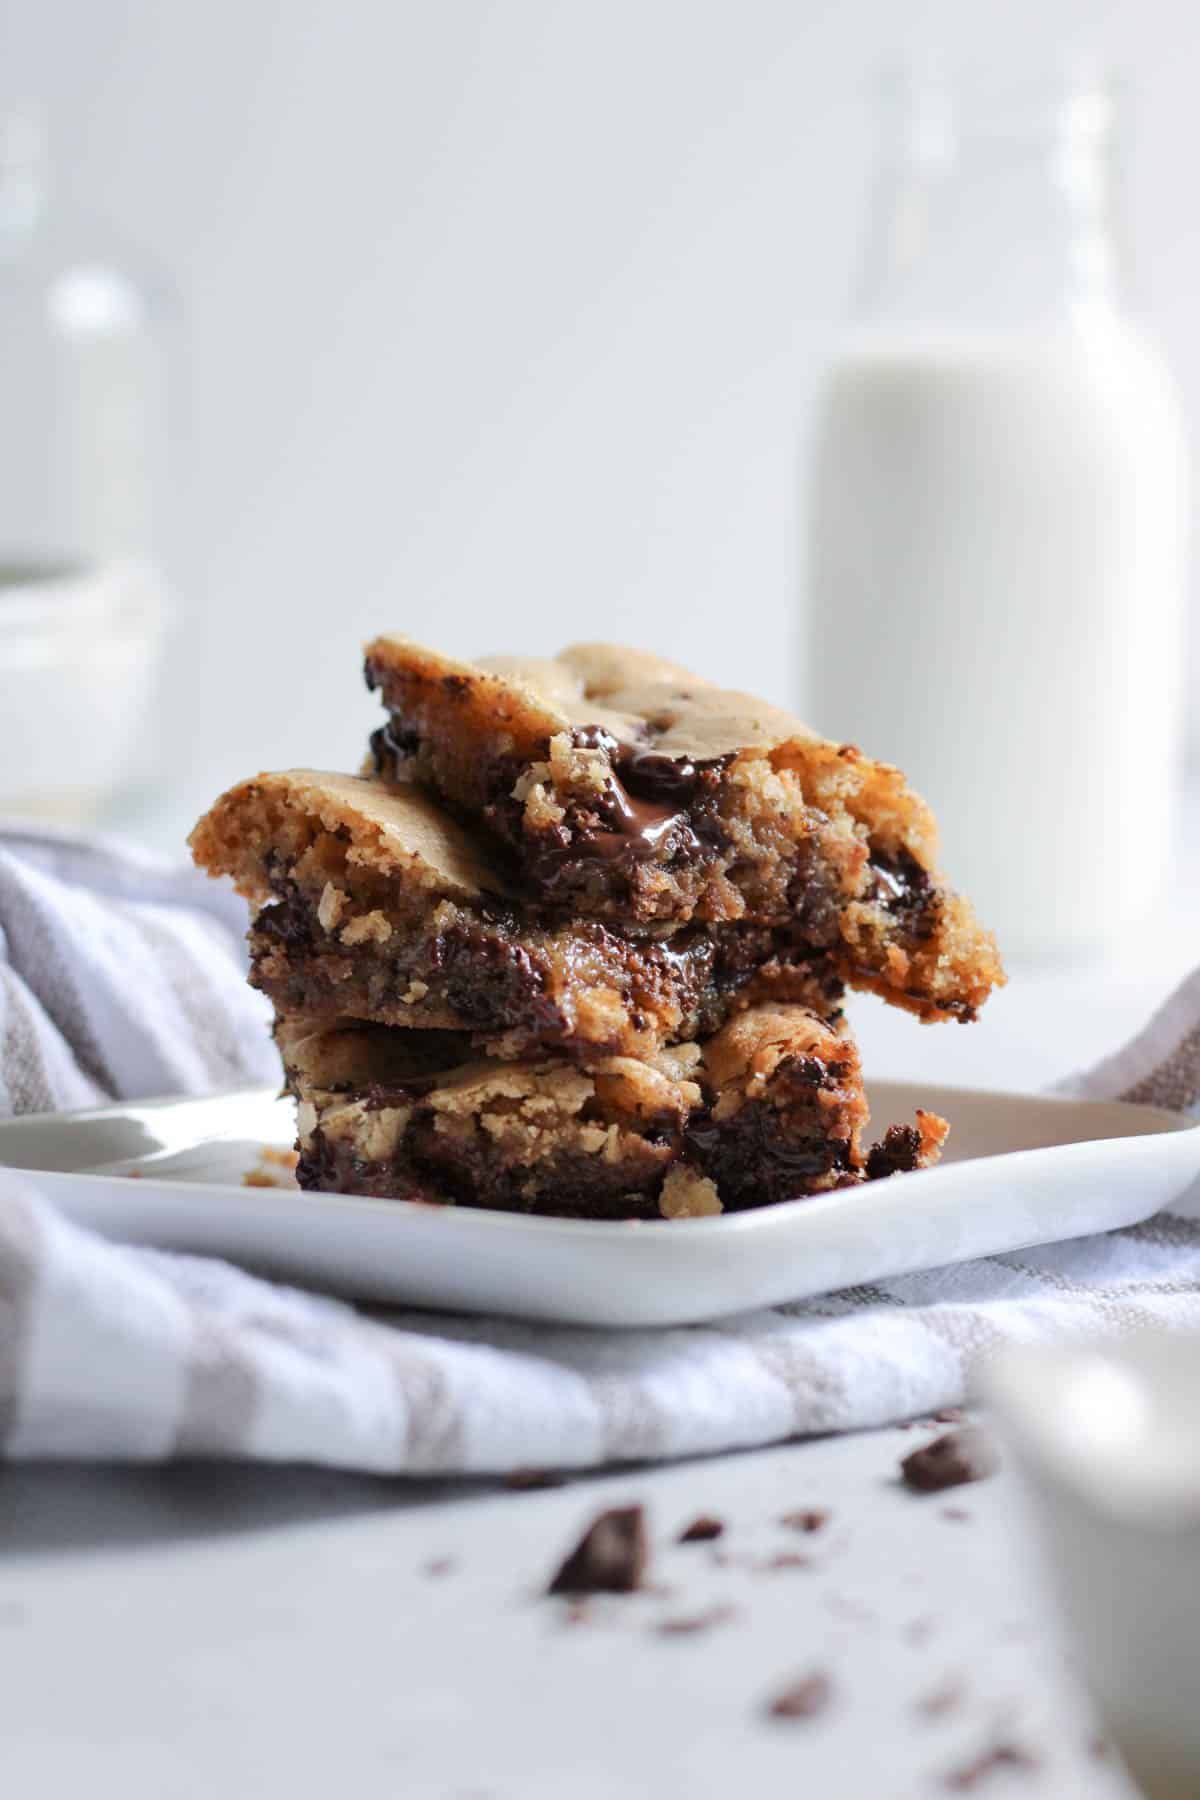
121	977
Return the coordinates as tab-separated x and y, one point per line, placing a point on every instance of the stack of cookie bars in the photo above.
576	942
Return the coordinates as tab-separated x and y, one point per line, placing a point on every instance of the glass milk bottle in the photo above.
997	513
81	598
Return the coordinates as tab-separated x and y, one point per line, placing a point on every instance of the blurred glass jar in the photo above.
997	512
82	602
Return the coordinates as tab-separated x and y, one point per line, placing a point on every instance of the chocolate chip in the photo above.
803	1699
701	1530
610	1557
687	1624
522	1480
971	1775
949	1461
809	1518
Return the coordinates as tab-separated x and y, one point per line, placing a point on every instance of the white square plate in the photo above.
1019	1171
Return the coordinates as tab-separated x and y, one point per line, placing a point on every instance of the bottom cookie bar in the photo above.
770	1108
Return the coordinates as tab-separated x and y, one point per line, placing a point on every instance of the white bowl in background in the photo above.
1108	1438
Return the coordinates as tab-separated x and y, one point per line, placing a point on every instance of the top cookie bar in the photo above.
621	786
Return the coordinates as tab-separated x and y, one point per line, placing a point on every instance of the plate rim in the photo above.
1162	1123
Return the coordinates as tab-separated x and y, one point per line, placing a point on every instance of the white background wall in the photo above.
499	321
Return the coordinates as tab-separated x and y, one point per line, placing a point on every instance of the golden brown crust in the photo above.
507	706
393	830
790	824
372	905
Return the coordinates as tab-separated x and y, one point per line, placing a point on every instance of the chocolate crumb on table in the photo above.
803	1699
610	1557
946	1698
702	1530
525	1480
808	1518
949	1461
969	1776
784	1559
689	1624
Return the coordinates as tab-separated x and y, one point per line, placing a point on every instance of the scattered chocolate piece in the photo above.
610	1557
940	1700
785	1559
949	1415
440	1565
958	1515
971	1775
521	1480
686	1624
949	1461
702	1530
809	1518
804	1699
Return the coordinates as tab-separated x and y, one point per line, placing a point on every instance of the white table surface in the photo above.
188	1633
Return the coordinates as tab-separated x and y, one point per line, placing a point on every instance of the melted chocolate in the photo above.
432	1166
391	745
760	1155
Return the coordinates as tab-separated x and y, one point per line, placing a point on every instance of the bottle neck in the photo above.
992	210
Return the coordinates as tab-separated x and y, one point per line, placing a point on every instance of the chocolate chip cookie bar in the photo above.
770	1108
371	903
617	786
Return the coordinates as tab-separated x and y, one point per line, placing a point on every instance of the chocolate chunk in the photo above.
971	1775
897	1153
701	1530
522	1480
688	1624
808	1518
610	1557
803	1699
949	1461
